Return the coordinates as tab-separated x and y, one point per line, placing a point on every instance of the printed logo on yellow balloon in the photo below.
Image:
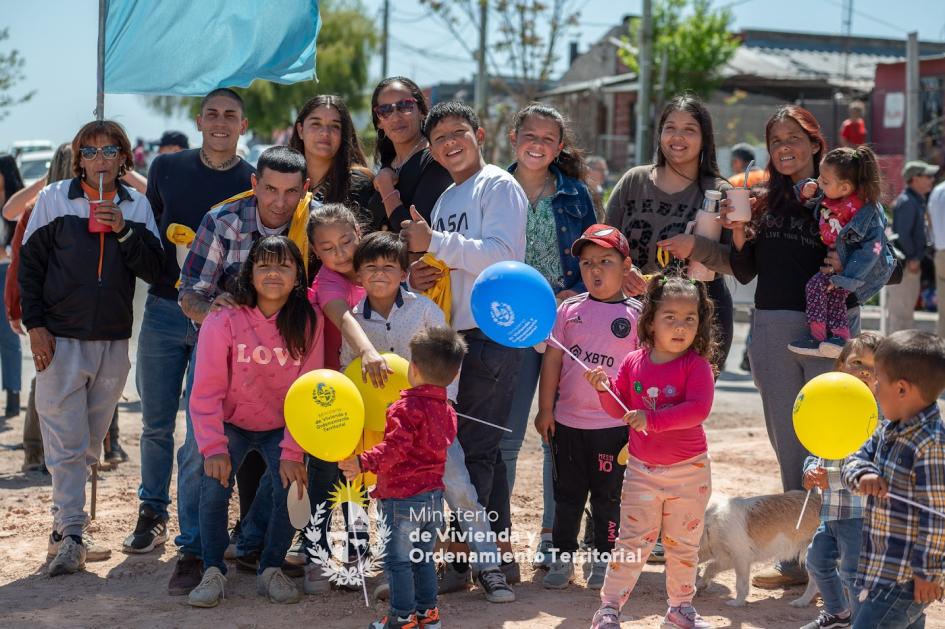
323	394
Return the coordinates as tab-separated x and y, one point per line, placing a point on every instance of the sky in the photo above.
60	66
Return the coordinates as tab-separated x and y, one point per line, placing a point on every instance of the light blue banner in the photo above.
190	47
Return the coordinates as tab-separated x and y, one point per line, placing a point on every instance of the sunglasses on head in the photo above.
108	152
403	106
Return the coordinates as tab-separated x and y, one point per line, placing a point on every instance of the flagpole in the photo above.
100	75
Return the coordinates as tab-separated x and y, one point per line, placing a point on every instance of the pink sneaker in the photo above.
684	617
606	618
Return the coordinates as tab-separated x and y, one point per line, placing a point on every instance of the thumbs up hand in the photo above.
416	232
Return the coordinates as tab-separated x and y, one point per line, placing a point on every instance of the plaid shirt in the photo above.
838	503
901	541
220	247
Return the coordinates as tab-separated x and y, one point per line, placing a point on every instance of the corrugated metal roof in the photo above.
784	64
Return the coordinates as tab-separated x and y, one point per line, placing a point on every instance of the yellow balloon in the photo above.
834	414
369	439
377	400
325	414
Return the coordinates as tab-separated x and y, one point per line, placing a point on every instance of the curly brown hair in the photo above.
662	287
110	129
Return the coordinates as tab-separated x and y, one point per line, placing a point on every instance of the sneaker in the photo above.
230	553
150	531
115	454
429	619
381	592
606	618
69	558
512	572
250	563
398	622
449	579
806	347
832	347
315	582
596	579
188	572
493	583
543	557
777	577
93	551
277	587
826	620
658	554
296	555
209	592
684	617
559	576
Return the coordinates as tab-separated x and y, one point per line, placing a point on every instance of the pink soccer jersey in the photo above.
600	334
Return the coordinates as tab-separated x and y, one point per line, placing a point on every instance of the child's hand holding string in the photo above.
636	420
598	378
350	467
293	471
872	485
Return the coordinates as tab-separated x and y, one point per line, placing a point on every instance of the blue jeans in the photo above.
11	354
891	607
471	516
832	559
165	348
215	500
410	570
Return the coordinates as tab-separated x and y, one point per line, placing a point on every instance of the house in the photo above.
819	71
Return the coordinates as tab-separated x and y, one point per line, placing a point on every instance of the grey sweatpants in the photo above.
779	375
75	399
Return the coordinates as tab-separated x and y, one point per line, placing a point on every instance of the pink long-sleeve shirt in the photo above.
242	375
677	397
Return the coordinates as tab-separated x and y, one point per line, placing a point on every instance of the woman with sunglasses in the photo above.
408	173
337	170
86	241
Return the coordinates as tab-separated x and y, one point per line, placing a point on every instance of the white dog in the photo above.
741	531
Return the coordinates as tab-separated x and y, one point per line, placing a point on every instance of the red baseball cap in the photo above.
604	236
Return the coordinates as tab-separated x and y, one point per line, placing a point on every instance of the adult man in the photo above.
173	142
908	213
937	222
182	187
742	155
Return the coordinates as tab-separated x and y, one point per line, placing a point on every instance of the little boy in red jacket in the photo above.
409	464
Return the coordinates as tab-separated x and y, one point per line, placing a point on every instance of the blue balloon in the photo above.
513	304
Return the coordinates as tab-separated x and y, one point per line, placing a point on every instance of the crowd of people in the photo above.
312	259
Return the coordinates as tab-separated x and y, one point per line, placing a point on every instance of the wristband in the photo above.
389	195
127	234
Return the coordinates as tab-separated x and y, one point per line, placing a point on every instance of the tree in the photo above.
346	41
694	42
523	56
11	73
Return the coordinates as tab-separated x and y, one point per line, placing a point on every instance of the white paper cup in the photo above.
741	208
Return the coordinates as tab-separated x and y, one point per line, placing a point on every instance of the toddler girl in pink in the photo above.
669	387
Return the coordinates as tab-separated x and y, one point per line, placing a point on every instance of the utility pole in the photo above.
847	29
100	71
386	38
912	97
482	75
644	93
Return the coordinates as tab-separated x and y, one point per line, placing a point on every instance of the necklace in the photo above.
222	165
533	203
413	150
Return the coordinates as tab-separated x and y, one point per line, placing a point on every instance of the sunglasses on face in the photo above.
108	152
404	106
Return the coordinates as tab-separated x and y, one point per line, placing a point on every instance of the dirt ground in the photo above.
130	590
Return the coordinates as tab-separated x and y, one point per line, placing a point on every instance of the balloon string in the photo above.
806	498
916	504
482	421
357	548
586	368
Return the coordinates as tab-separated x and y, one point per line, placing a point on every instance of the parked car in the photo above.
22	147
34	165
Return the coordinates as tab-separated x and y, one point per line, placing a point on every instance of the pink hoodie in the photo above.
242	375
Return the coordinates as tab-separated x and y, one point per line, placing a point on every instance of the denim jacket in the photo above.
574	212
865	253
